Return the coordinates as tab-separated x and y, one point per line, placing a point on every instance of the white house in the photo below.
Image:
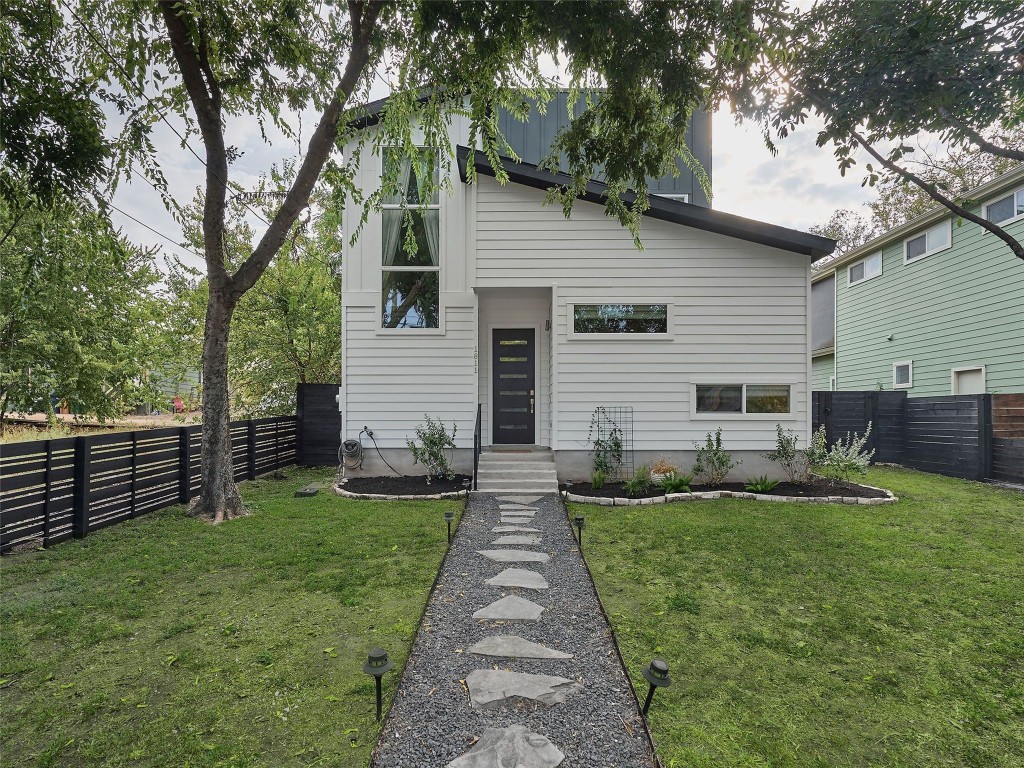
537	320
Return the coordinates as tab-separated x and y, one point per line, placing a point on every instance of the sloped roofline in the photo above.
675	211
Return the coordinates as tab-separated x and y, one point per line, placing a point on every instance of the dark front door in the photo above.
515	391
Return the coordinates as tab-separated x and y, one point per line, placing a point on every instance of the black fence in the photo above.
949	435
319	425
51	490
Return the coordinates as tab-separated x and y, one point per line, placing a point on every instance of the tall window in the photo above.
410	261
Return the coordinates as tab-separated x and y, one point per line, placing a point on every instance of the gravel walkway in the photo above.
432	722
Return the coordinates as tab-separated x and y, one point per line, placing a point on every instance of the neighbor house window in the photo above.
683	197
742	398
865	269
903	375
936	239
1006	208
620	318
410	260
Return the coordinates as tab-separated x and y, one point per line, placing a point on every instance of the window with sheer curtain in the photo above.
410	247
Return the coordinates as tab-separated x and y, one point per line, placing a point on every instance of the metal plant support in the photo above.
609	421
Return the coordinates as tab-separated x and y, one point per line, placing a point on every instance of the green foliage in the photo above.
713	461
673	482
434	442
794	462
597	479
607	447
761	484
274	616
640	483
846	457
76	311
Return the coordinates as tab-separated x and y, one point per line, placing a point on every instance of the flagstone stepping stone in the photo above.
519	577
520	499
519	512
517	507
515	647
512	747
517	518
490	688
521	539
510	608
513	529
514	555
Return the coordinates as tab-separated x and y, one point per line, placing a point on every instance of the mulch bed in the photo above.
410	485
817	487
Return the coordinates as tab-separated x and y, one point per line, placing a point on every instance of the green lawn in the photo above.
805	635
169	642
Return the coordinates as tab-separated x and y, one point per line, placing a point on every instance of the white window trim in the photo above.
850	282
571	334
910	378
954	371
441	258
948	224
726	381
681	197
1012	219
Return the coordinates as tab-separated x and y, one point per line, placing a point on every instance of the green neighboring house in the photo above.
933	307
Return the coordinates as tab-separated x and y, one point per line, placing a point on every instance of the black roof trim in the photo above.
675	211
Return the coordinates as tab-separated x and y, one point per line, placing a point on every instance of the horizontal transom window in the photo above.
938	238
742	398
620	318
1005	208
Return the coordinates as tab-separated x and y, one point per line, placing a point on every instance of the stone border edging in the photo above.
338	490
618	501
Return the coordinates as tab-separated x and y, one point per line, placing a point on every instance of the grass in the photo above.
806	635
167	641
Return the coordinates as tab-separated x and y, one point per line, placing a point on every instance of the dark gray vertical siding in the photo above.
532	141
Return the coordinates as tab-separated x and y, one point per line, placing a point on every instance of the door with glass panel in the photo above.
515	391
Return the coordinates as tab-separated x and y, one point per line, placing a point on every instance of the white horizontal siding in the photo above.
739	312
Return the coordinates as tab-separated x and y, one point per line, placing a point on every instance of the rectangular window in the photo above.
936	239
742	398
682	197
1006	208
903	375
865	269
410	244
620	318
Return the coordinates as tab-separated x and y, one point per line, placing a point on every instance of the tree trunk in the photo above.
219	499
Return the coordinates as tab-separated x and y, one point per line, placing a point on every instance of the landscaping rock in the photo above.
512	747
490	688
515	647
510	608
514	556
519	577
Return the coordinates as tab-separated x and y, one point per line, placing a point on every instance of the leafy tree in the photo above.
848	228
879	73
76	310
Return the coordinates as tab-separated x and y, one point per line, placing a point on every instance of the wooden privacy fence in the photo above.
51	490
319	424
971	436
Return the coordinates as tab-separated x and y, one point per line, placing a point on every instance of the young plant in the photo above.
607	449
713	461
431	452
640	483
848	456
676	483
662	467
597	479
794	462
761	484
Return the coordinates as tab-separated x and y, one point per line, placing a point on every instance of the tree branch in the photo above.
938	197
983	143
364	18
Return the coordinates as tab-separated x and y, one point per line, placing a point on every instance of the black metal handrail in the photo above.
477	440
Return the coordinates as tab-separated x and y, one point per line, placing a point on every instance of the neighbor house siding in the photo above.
822	370
739	313
956	308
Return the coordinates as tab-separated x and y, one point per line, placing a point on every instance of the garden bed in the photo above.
818	487
405	485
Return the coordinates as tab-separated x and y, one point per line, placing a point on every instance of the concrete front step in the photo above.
517	458
542	490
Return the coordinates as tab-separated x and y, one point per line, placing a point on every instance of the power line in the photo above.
155	231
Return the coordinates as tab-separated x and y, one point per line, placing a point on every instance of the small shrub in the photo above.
847	456
640	483
676	483
597	480
662	467
761	484
713	461
817	450
794	462
434	441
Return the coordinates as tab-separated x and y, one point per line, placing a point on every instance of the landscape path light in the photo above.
378	664
449	516
579	520
655	673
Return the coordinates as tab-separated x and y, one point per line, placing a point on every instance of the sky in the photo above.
797	188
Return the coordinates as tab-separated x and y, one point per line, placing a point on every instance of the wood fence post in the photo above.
135	473
80	516
985	435
277	444
49	493
250	472
873	420
184	467
300	406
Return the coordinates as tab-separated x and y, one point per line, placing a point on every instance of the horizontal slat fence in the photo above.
1008	437
319	425
51	490
844	413
949	435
